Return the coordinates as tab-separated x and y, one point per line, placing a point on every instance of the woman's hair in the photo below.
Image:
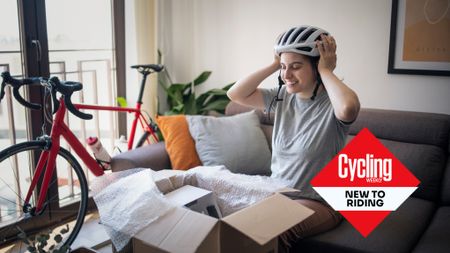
315	63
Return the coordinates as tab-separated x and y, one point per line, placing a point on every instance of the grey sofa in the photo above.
421	141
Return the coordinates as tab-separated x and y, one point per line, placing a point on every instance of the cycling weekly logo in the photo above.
365	182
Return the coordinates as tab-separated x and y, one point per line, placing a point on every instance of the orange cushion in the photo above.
179	144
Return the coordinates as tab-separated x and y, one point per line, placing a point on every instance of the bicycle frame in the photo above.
138	117
59	128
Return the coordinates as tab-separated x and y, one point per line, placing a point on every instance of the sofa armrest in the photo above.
152	156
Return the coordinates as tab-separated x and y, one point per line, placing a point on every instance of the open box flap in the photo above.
164	179
268	218
186	194
180	230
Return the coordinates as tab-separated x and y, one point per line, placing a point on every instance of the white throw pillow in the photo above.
234	141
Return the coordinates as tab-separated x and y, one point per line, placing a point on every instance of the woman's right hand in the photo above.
276	57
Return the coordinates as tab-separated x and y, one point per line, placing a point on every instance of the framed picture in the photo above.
420	37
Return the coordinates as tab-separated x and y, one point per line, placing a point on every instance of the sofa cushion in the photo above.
152	156
445	192
435	239
266	123
399	232
268	130
235	141
426	162
235	108
179	143
412	127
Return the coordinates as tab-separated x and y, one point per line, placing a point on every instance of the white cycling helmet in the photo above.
301	40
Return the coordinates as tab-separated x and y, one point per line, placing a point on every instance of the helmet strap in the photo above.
315	90
280	83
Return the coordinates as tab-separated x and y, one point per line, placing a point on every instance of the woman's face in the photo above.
298	74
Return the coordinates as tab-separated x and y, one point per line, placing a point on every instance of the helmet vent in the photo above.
286	36
307	34
304	49
296	34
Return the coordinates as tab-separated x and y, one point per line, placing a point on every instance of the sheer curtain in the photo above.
146	52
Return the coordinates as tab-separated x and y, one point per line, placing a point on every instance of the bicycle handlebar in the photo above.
66	88
16	84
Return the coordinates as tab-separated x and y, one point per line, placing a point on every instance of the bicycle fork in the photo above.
49	157
47	160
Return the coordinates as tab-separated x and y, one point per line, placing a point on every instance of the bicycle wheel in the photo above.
64	207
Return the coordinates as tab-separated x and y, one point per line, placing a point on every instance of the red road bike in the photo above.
53	190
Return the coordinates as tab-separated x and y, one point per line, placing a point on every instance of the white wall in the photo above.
235	37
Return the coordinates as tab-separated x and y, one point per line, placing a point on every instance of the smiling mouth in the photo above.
291	83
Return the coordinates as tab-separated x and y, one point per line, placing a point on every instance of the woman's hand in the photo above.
276	59
344	100
327	50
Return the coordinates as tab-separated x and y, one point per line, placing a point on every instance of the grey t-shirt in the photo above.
306	136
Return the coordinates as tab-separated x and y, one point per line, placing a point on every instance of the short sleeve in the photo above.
269	96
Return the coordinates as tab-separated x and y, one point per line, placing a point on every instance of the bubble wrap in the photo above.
127	202
234	191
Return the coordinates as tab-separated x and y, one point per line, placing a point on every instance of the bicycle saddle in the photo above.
147	67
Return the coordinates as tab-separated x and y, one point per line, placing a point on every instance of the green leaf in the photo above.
218	105
201	99
122	102
40	238
175	94
187	91
31	249
190	107
207	100
182	100
202	78
58	238
228	86
179	109
64	230
217	92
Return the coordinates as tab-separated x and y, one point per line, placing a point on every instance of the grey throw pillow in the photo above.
234	141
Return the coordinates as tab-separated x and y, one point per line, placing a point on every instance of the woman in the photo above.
313	111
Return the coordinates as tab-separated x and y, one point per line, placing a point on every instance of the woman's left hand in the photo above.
327	50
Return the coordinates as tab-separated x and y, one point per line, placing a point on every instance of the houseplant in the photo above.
182	99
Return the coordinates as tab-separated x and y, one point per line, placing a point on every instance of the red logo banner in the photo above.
365	182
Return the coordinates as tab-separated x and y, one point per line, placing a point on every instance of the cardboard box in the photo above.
252	229
196	199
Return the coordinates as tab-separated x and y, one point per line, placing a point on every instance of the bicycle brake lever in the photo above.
55	101
2	90
73	110
23	102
